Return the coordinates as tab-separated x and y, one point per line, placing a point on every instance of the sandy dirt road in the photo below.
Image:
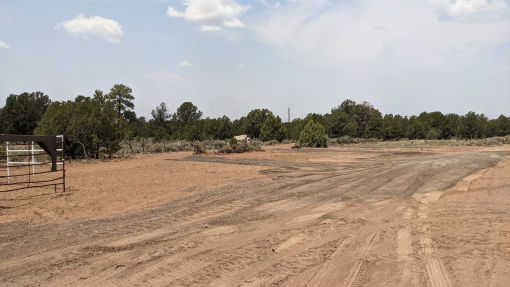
337	217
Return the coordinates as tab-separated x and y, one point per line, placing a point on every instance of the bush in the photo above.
433	134
216	144
313	135
346	140
496	141
158	148
199	148
271	142
240	148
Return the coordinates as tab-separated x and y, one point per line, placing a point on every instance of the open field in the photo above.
380	214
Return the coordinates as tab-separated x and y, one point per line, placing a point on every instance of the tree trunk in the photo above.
84	150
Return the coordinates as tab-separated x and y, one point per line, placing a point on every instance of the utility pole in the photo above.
288	119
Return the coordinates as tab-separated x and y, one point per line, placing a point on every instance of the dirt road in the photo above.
337	217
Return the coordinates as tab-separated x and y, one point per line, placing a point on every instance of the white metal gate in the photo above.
30	155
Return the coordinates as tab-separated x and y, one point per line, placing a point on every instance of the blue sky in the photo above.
230	56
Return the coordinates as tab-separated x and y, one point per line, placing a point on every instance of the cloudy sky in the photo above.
230	56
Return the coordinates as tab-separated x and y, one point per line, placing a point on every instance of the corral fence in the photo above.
32	162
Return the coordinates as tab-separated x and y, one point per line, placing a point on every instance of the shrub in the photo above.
496	141
313	135
199	148
158	148
433	134
217	144
240	148
179	146
346	140
271	142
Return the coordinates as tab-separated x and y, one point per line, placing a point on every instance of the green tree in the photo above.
415	129
22	112
295	127
323	120
239	126
272	129
433	124
160	115
225	130
122	98
194	131
99	97
348	107
373	128
56	119
187	113
500	126
313	135
341	124
2	123
137	130
356	120
449	126
254	121
368	120
220	128
473	126
394	127
283	132
433	134
88	125
74	120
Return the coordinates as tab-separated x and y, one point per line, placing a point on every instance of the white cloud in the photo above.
467	8
234	23
326	35
209	28
185	64
3	45
83	26
218	12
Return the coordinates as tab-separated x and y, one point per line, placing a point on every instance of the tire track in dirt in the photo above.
321	276
405	250
358	273
436	271
288	267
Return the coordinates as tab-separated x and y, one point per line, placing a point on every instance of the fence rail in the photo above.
25	164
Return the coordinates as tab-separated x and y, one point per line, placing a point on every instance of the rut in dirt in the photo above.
176	229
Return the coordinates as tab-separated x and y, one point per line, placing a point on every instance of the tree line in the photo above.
99	123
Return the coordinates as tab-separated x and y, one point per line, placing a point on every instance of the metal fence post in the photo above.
33	159
7	163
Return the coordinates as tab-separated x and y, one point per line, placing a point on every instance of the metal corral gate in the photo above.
31	162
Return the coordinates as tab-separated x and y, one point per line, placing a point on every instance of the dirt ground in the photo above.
382	214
